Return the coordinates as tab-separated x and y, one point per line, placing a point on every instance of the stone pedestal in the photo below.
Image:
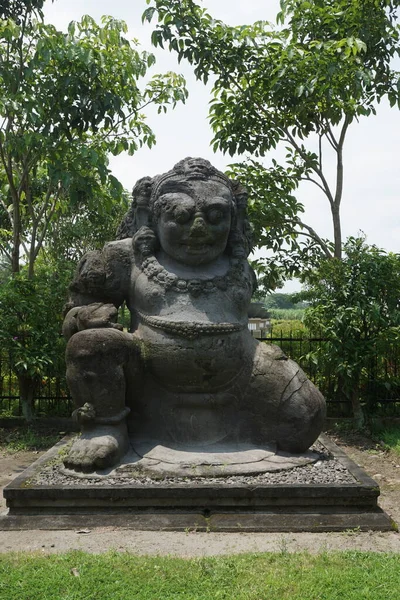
242	502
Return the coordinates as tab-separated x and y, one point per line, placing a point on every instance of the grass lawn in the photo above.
122	576
390	435
26	438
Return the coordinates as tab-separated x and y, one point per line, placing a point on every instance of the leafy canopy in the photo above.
330	59
301	84
66	101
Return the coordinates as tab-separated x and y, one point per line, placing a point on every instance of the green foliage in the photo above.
25	439
274	213
30	325
355	305
281	300
390	436
85	225
351	575
20	10
31	316
300	85
66	101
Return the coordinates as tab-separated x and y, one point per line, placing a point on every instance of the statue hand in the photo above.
91	316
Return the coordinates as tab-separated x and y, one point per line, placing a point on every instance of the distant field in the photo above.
288	327
286	314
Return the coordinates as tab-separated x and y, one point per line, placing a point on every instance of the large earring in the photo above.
138	214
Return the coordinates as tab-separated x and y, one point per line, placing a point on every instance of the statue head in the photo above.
195	212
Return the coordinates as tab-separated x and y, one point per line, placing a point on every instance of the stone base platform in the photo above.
262	503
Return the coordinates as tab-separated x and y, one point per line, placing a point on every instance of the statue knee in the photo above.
98	344
302	419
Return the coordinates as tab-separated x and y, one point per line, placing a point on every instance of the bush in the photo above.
355	306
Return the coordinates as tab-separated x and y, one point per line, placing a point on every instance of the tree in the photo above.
66	101
354	305
20	10
31	308
85	226
301	85
285	301
31	317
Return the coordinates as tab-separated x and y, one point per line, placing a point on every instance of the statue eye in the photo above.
215	215
182	216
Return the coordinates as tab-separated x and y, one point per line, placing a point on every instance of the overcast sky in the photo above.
372	152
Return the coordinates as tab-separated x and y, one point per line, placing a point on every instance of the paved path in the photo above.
194	544
177	543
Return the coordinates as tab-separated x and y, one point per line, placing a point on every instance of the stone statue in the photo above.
188	373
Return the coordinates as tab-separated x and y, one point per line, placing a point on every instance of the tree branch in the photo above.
316	170
314	235
314	182
339	164
330	137
320	151
47	220
5	207
25	247
5	251
7	164
26	167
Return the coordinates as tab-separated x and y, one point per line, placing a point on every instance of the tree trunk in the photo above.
344	402
358	413
335	205
15	266
26	394
337	232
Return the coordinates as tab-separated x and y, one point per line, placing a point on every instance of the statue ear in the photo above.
240	241
138	214
141	194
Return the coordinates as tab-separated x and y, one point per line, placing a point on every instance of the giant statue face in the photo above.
194	220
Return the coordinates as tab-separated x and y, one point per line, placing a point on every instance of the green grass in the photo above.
26	438
390	436
283	576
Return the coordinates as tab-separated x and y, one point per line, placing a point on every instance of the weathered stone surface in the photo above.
267	522
216	460
305	498
189	371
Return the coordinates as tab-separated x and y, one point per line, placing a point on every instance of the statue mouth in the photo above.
196	246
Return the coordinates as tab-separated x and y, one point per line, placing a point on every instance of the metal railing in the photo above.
379	385
50	392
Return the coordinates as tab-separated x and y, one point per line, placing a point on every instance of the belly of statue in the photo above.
206	363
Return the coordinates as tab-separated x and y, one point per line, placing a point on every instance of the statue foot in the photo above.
99	447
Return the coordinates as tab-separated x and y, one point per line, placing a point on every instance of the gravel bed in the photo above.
327	470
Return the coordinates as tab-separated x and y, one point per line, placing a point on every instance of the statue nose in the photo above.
199	226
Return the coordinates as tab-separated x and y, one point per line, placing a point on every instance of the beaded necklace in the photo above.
169	281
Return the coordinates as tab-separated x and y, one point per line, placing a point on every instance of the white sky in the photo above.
372	152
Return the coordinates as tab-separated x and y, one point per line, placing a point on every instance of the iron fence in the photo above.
50	392
379	384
